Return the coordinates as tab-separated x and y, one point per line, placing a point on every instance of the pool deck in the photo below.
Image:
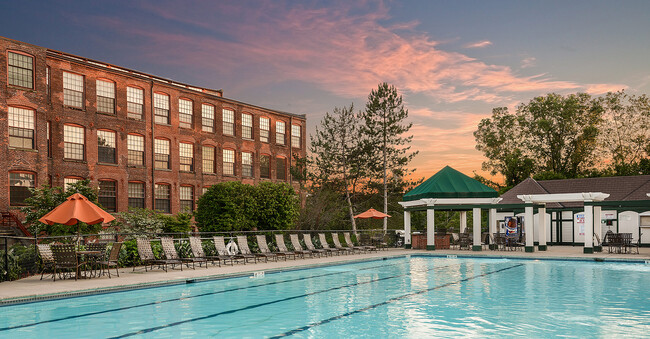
32	288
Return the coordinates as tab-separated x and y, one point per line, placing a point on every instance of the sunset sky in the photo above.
453	61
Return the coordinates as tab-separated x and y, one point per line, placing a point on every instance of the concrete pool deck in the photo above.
32	288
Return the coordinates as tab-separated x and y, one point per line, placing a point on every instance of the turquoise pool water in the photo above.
411	297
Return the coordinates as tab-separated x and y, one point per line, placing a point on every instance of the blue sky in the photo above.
453	61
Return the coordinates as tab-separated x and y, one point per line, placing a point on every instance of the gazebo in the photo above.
450	190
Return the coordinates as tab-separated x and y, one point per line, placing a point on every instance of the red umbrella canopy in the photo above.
372	213
76	208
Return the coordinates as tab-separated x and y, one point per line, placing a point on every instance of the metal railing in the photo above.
19	256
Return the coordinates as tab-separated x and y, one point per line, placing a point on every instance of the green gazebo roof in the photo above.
449	183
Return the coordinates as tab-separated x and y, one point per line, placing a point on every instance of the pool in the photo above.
415	296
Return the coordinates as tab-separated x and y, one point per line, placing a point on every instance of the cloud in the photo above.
479	44
341	49
528	62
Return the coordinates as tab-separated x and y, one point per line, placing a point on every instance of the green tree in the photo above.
277	206
46	198
226	206
625	137
498	137
384	130
140	221
338	155
561	132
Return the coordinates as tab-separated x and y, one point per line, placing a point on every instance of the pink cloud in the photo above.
479	44
335	48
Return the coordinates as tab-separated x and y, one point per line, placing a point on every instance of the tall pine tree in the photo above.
384	132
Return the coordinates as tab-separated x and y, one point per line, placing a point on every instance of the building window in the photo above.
135	146
247	164
73	142
280	168
208	159
228	162
21	70
185	113
205	189
19	185
134	102
136	194
48	82
48	135
67	181
73	90
21	127
108	195
161	108
247	126
295	136
265	129
105	97
265	166
186	152
106	147
228	122
207	118
162	193
279	132
161	154
187	199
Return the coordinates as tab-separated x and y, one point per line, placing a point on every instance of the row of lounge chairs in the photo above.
242	253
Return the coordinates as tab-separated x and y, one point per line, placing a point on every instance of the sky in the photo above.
452	61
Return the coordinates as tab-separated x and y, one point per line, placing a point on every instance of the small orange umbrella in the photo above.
76	208
371	213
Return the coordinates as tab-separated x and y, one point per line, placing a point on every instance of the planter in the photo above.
419	241
442	241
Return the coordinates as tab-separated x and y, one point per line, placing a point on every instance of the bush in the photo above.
227	206
142	221
277	206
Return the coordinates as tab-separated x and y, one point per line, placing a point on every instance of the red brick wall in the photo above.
53	110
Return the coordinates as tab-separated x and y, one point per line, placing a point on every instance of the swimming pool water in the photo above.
411	297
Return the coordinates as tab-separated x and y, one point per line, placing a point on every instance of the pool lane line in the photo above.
209	316
185	298
391	300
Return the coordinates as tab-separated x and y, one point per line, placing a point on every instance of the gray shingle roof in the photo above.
626	188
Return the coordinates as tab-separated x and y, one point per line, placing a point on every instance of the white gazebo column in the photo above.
598	228
541	228
493	226
463	221
407	229
476	220
589	229
528	229
431	231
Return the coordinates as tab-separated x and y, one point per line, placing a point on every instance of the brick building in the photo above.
144	140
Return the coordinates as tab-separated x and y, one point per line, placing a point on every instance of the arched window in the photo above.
161	108
136	194
106	141
161	156
207	118
108	194
185	108
246	126
21	127
186	156
20	70
208	159
247	164
19	185
135	146
73	90
265	166
105	96
134	102
187	198
162	194
228	162
281	168
74	142
265	129
228	117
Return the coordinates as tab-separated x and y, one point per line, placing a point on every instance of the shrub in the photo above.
227	206
277	206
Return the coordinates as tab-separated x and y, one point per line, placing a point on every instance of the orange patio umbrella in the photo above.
371	213
76	208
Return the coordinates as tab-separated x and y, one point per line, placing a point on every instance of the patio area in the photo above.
32	288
